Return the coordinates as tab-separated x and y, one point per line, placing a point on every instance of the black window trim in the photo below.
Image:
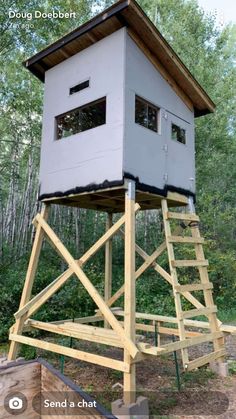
104	98
181	127
87	79
153	105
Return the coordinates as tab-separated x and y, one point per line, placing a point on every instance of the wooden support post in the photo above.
108	266
129	297
29	281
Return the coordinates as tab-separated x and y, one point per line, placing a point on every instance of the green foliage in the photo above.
199	377
232	367
27	352
210	54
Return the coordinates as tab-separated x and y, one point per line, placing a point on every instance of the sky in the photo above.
225	9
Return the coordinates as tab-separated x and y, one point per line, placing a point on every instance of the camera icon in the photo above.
15	403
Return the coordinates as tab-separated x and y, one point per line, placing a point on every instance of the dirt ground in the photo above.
202	393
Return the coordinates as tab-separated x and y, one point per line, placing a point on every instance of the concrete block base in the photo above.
220	368
138	410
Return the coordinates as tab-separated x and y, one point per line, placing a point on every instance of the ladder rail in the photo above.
208	297
205	285
175	282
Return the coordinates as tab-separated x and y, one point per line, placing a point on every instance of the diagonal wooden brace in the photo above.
73	264
36	302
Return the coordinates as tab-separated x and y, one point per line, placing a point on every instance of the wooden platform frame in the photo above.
121	326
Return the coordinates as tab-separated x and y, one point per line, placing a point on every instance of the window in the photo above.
178	134
79	87
146	114
81	119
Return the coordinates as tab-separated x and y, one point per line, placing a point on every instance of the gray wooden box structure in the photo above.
120	56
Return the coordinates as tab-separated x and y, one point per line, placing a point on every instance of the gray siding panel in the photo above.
92	156
145	154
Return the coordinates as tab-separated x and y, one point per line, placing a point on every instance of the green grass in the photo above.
199	377
232	367
227	316
4	348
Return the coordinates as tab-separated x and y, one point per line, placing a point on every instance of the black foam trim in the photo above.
153	189
79	189
106	184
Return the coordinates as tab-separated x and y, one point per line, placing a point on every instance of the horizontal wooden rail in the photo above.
87	319
80	331
163	330
168	319
73	353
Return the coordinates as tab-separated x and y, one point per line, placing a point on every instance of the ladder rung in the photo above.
186	263
180	239
198	312
182	216
205	359
193	287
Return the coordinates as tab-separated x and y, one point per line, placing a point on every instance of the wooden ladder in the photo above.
209	309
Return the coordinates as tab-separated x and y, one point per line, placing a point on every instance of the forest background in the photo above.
209	51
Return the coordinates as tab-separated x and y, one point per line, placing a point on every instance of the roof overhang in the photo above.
127	13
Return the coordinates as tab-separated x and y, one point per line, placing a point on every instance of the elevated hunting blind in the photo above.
118	136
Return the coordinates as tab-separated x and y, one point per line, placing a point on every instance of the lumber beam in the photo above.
79	331
168	319
73	353
108	265
129	378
